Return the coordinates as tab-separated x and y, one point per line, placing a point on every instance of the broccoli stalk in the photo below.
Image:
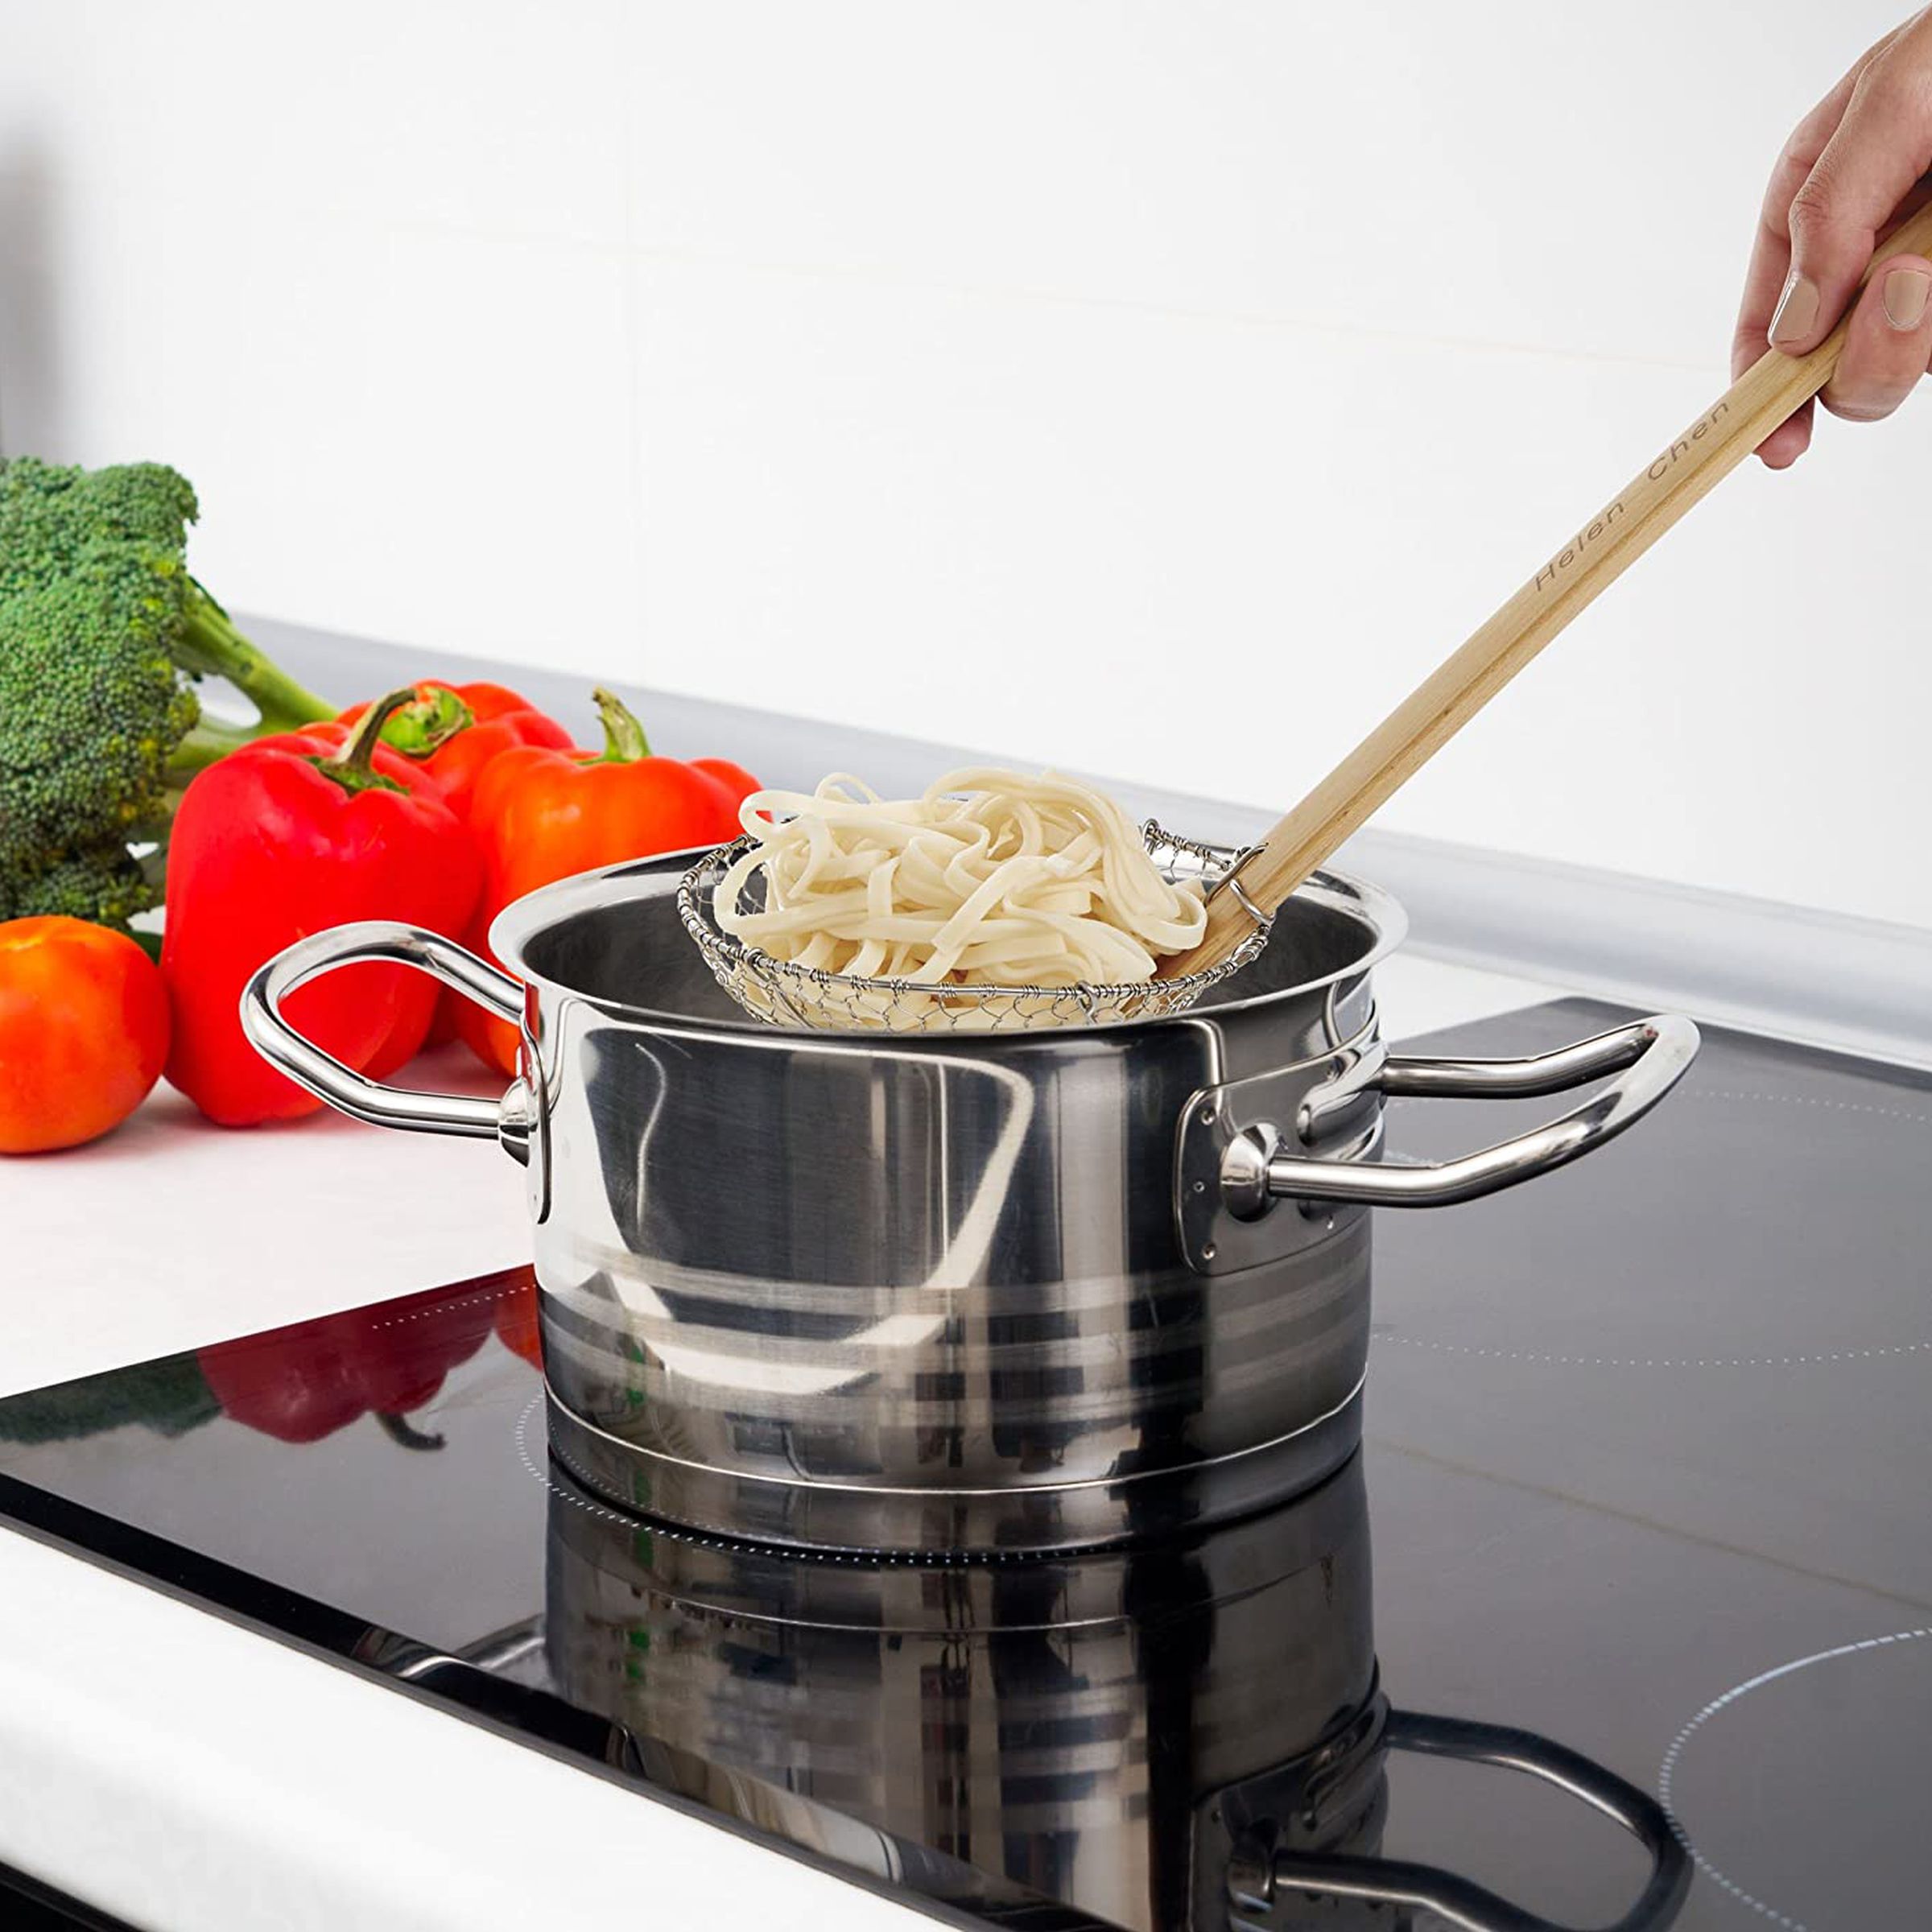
103	635
210	646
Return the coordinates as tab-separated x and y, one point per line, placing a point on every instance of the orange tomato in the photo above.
539	813
83	1030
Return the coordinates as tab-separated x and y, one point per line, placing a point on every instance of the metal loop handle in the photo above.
388	942
1653	1055
1461	1902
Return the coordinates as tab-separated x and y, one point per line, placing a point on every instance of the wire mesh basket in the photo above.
783	994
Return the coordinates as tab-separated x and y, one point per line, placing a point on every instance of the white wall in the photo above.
1154	388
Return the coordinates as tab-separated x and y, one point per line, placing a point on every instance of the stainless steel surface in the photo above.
1651	1055
787	994
1014	1516
836	1290
1253	1172
924	1293
376	942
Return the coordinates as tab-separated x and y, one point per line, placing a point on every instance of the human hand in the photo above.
1854	166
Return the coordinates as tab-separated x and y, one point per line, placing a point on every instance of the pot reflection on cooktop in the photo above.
1188	1735
1595	1555
1134	1732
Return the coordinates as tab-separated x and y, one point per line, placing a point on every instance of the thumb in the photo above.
1880	150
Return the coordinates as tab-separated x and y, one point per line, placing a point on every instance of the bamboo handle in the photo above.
1599	553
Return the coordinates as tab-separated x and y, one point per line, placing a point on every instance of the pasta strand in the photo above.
991	877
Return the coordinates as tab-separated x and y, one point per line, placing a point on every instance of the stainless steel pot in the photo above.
1024	1291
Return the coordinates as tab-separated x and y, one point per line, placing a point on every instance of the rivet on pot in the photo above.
1245	1171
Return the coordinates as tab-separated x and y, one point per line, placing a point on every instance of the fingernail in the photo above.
1796	310
1905	290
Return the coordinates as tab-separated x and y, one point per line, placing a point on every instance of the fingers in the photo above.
1881	148
1771	252
1790	440
1889	344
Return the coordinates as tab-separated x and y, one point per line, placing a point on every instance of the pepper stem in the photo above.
624	739
353	767
434	715
400	1429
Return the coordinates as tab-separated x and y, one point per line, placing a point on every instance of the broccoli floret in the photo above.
105	882
170	1396
92	704
102	633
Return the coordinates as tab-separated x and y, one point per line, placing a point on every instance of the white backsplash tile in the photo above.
497	116
418	436
1503	170
31	346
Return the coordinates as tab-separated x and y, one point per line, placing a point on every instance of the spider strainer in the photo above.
784	994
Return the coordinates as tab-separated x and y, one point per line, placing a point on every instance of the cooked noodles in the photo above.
992	878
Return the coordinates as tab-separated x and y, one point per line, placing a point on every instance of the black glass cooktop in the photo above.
1644	1496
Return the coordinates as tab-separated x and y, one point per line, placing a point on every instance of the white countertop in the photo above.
180	1771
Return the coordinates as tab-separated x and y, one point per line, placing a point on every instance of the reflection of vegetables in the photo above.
288	837
83	1032
293	1383
101	630
170	1396
516	1323
302	1383
540	815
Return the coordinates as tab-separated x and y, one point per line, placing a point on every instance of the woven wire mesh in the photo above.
783	994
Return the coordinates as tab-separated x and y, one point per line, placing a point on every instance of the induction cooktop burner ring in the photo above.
484	1298
1808	1099
543	1476
1380	1332
711	1539
680	1532
1651	1362
1666	1774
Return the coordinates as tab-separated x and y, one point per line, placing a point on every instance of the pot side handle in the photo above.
1255	1885
1650	1057
386	942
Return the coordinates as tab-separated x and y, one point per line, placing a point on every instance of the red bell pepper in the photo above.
285	837
539	815
454	730
402	1045
304	1382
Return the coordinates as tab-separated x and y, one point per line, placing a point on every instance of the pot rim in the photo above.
523	920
